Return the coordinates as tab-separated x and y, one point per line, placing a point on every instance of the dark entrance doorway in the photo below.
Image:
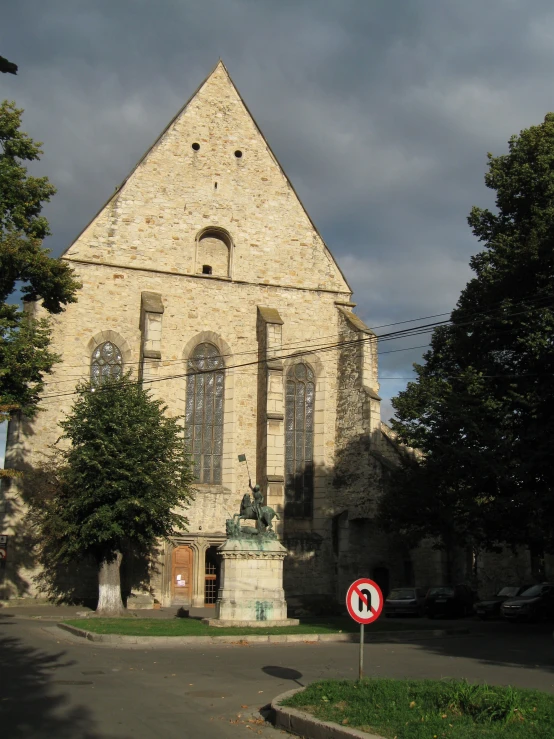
382	578
211	576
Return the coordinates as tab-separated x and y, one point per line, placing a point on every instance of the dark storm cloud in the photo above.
381	114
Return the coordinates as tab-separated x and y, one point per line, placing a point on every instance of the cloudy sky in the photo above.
380	112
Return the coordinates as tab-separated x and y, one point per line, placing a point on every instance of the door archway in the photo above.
212	574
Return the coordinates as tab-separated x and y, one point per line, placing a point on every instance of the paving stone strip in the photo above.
305	725
397	636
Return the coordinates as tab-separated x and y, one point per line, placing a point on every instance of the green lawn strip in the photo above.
430	709
193	627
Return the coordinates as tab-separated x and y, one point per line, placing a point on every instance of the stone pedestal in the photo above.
251	592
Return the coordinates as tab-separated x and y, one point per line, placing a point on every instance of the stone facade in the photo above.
207	242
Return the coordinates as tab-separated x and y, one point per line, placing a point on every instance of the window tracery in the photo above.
106	362
204	412
299	440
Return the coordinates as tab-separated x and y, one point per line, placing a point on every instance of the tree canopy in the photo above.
481	409
7	67
25	264
119	481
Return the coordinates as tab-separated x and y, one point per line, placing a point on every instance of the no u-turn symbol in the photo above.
364	601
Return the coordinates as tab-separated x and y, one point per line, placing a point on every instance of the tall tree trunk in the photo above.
109	587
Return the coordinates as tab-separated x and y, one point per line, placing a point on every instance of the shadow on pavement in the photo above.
283	673
29	703
500	644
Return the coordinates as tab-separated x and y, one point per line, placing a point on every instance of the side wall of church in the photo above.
360	547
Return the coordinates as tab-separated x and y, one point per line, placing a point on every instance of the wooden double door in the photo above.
181	575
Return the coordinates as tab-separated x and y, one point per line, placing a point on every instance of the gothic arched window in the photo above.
204	412
299	441
106	362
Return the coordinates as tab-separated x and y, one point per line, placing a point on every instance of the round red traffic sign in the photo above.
364	601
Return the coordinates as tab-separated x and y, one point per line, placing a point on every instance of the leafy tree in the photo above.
7	67
24	339
482	407
119	484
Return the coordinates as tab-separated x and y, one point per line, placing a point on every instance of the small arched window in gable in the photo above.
213	255
299	440
204	412
106	362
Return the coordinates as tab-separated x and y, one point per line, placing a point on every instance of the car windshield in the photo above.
402	594
441	591
509	592
533	591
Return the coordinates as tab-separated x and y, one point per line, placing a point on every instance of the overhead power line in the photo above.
301	343
316	350
402	333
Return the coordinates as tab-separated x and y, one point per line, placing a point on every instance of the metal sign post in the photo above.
364	601
361	670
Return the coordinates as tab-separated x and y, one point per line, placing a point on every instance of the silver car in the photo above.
405	602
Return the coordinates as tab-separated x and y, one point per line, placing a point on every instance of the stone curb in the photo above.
305	725
398	637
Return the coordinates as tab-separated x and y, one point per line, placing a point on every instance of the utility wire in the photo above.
306	349
334	335
385	337
296	354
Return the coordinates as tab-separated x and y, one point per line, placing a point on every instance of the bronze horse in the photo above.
248	512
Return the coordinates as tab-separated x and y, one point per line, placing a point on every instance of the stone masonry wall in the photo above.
194	310
356	472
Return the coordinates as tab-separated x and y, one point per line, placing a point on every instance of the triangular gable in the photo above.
97	240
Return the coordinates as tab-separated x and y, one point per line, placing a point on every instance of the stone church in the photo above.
205	261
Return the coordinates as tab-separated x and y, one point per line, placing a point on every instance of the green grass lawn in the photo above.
430	709
192	627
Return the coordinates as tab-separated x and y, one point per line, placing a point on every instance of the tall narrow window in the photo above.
299	441
204	412
106	362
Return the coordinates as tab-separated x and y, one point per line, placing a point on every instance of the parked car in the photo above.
534	604
490	608
405	602
449	601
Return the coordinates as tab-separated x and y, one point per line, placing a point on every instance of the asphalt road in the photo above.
58	686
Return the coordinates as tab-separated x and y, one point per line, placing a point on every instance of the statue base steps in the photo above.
251	592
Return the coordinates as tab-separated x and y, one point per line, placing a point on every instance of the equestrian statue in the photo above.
253	509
